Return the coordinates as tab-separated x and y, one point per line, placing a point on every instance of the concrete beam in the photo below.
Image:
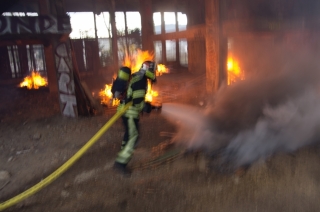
23	42
146	25
190	33
267	26
38	25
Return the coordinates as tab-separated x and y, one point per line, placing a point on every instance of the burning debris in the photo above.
277	110
34	81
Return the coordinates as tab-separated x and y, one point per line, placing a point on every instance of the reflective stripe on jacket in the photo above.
136	92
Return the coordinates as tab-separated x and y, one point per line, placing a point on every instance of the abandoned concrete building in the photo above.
34	35
236	114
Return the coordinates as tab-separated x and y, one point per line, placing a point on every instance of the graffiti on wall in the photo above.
46	24
68	102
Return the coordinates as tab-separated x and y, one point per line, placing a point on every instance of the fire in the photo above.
234	71
135	61
106	96
34	81
150	93
161	69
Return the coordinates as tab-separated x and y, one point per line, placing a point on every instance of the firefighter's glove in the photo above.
120	107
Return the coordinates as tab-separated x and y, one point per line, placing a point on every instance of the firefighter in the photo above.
136	93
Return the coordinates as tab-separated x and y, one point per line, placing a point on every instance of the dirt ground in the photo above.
35	140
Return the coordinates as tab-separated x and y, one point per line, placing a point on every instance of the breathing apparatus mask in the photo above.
149	70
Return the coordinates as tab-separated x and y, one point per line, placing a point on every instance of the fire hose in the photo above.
66	165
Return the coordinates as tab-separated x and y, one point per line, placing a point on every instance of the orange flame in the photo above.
106	96
127	61
161	69
34	81
150	93
135	61
234	71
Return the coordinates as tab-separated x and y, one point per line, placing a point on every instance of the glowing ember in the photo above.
34	81
234	71
161	69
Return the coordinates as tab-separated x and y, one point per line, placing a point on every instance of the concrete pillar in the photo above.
59	64
43	6
65	75
95	26
196	45
146	25
223	60
177	41
114	35
49	55
163	42
126	32
212	45
51	70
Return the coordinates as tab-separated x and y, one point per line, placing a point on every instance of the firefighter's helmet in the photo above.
120	84
124	73
150	70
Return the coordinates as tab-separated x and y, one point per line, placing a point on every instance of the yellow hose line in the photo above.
66	165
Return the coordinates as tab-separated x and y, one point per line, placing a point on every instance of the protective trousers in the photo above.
130	139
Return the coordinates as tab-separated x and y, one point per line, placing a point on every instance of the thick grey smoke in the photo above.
276	108
286	127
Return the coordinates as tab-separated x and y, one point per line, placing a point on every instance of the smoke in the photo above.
286	128
275	109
